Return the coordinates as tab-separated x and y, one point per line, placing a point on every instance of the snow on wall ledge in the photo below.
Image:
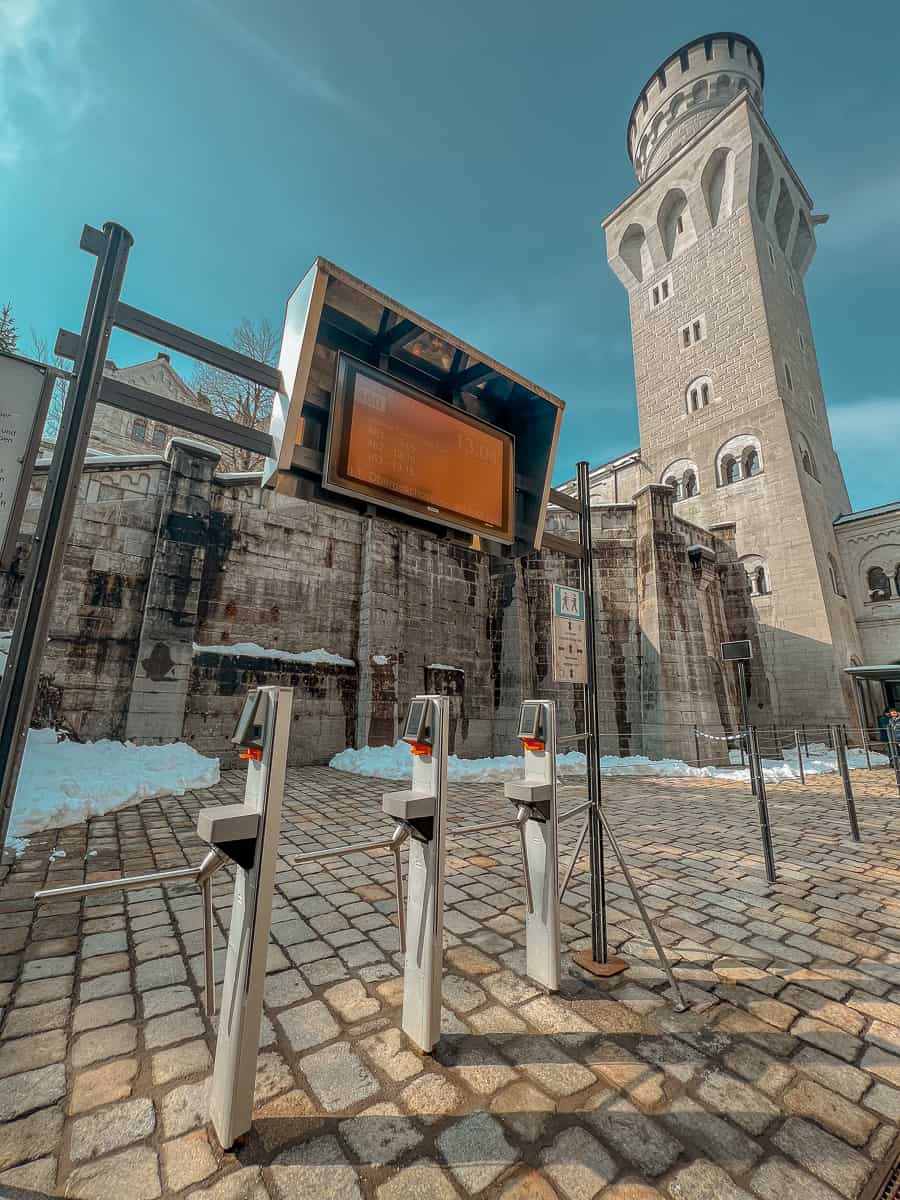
253	650
62	782
394	762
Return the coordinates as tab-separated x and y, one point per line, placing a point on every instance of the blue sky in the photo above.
460	158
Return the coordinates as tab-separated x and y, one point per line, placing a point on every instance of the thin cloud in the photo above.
302	79
866	211
45	86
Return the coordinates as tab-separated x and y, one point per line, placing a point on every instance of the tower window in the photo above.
835	576
731	470
689	484
660	292
138	430
159	436
813	409
751	463
675	485
740	458
790	275
771	254
789	379
802	340
679	224
698	394
693	332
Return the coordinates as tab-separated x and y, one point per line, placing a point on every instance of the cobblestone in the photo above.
603	1086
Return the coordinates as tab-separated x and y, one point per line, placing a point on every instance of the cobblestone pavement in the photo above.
783	1080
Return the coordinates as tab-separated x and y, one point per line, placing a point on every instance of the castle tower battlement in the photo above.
686	91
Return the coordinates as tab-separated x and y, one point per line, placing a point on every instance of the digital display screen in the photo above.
529	720
396	446
415	721
737	651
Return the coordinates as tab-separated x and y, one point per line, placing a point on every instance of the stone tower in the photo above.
713	247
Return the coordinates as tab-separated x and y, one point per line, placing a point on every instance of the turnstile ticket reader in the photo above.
248	834
423	810
535	796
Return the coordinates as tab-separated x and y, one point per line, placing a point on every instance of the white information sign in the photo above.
21	394
568	635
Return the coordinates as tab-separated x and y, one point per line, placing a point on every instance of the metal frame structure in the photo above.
29	457
88	387
598	960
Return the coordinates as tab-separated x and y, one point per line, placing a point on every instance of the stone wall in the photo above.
172	557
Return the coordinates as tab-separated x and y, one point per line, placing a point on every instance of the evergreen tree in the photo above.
8	334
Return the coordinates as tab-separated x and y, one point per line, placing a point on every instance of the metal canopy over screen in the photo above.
464	443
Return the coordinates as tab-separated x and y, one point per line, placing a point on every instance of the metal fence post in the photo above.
840	749
799	756
894	752
49	541
697	744
762	805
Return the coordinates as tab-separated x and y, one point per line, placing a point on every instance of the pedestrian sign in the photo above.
568	635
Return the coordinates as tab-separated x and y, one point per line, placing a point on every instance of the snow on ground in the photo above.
252	650
444	667
395	762
64	782
380	660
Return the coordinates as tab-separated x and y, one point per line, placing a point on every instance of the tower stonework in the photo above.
713	247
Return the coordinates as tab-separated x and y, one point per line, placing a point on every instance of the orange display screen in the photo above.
409	451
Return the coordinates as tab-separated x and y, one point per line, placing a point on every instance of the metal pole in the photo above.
697	745
861	717
49	541
599	941
574	859
840	749
745	716
799	756
209	973
681	1006
805	739
763	807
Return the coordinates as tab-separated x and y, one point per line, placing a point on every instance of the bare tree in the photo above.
40	351
8	334
238	399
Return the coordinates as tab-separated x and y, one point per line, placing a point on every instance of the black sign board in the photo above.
737	651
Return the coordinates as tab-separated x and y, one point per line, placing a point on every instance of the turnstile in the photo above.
535	796
423	811
248	834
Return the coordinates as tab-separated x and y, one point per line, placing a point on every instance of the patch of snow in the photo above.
253	650
65	782
395	763
57	854
380	660
444	667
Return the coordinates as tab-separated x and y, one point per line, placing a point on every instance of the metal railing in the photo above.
200	875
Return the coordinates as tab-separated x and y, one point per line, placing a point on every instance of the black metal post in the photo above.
697	744
49	541
599	946
762	804
840	748
745	715
805	739
799	756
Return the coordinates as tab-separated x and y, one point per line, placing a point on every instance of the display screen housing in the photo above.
396	446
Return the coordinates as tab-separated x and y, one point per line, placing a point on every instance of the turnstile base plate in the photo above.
612	966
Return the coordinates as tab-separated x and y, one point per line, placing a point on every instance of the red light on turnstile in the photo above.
532	743
419	749
252	753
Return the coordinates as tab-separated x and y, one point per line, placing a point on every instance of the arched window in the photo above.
757	574
698	394
159	436
751	462
879	586
138	429
731	469
634	252
683	478
739	458
807	461
835	576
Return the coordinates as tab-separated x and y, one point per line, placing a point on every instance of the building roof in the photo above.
878	511
886	674
607	468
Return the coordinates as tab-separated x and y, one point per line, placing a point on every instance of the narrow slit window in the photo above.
655	296
696	331
679	225
802	340
686	336
694	400
771	255
665	289
788	377
704	394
